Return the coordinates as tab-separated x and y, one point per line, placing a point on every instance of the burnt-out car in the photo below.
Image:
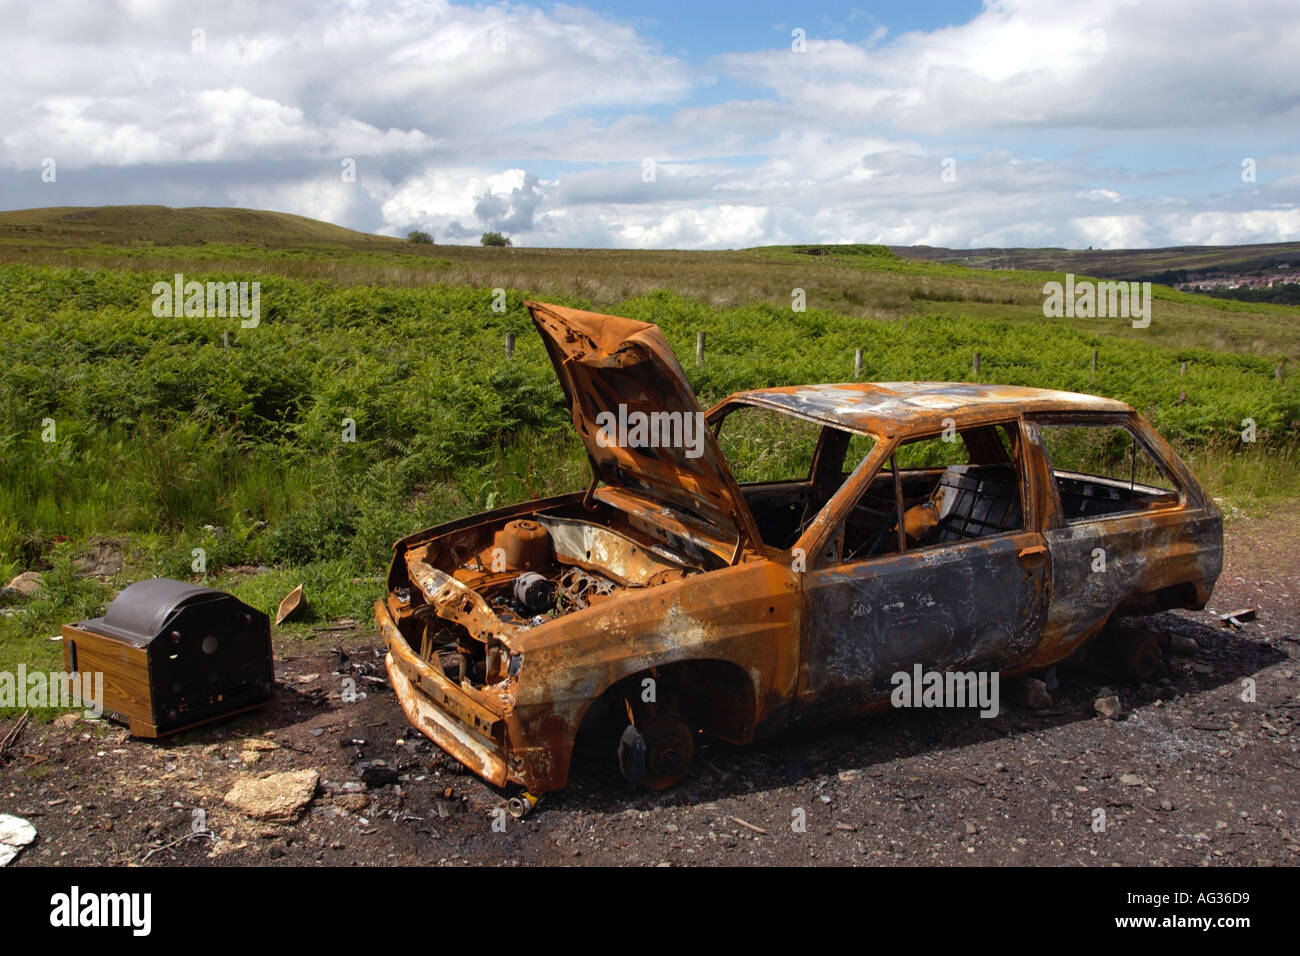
777	560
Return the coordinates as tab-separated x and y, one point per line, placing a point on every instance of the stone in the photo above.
15	833
352	802
1108	708
1036	694
104	560
27	583
280	797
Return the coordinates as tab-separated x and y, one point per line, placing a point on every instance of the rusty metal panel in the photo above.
973	605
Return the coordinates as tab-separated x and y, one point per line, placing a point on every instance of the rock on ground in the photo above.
26	584
1108	707
1036	694
279	798
15	833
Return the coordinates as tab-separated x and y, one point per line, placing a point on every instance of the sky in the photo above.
1104	124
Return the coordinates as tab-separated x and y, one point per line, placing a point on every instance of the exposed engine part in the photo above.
435	633
577	587
525	546
534	593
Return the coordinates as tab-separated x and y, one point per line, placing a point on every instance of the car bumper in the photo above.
440	710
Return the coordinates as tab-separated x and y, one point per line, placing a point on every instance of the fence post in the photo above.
510	344
975	365
857	363
699	348
1094	360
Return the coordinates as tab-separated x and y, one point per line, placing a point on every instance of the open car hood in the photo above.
617	372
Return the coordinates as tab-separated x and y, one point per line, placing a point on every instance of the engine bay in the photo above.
471	594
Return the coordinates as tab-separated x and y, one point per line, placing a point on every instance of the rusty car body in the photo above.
672	598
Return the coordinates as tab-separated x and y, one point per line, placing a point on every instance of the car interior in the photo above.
1101	470
953	490
943	503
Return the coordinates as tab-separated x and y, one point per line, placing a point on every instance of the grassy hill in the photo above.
62	226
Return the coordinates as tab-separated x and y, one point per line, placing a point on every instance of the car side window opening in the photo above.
1101	469
787	467
943	489
859	447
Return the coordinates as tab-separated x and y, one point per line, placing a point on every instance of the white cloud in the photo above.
1068	63
313	77
536	121
1229	228
1112	232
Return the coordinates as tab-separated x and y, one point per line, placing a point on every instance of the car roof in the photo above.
886	408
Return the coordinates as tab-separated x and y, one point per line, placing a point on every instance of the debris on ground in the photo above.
254	747
1237	618
12	733
292	603
15	833
352	802
1107	704
279	798
377	773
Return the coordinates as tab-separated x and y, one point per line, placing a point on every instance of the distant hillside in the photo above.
70	226
1169	265
164	226
864	281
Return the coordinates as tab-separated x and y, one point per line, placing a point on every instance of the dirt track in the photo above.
1190	774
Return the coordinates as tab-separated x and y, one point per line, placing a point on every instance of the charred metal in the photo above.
673	600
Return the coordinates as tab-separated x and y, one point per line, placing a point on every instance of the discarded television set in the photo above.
174	655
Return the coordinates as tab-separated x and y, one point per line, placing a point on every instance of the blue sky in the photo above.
700	30
1074	123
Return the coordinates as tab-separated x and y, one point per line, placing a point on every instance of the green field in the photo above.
167	441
